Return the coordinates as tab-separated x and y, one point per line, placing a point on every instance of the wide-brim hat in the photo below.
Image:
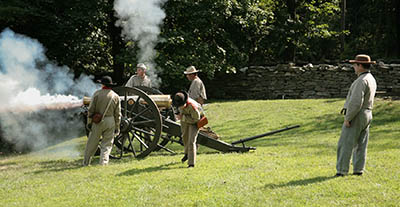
362	59
106	80
180	98
191	70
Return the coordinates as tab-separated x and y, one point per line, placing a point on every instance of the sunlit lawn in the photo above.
292	168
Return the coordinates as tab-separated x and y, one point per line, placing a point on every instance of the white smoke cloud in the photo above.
35	92
141	21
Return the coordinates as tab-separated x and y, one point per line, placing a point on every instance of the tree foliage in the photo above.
374	27
217	36
70	30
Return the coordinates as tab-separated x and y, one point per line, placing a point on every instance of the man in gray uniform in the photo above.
140	79
358	116
197	91
106	102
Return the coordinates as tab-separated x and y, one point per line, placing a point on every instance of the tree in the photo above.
217	36
74	32
374	28
117	45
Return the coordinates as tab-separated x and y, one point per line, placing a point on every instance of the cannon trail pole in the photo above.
264	135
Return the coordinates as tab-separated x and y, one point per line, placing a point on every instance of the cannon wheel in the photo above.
169	113
141	123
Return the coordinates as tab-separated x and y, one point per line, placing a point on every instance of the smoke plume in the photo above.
140	21
38	98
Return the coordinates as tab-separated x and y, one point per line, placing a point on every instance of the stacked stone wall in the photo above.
289	81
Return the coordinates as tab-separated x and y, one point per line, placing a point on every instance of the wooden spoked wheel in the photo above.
167	113
141	124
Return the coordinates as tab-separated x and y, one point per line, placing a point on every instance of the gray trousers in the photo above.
189	136
104	129
354	141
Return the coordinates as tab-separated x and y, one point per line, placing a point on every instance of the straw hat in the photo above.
362	59
191	70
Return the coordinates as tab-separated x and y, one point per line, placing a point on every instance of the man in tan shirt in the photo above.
140	79
358	116
108	127
189	114
197	91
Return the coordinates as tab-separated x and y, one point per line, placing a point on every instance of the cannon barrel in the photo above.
162	101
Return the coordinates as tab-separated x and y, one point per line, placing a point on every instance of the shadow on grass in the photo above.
303	182
381	136
231	126
128	158
383	114
169	166
8	165
202	150
58	166
334	100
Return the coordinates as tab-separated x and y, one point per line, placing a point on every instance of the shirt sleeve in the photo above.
203	92
148	82
356	100
92	105
130	82
197	90
92	108
193	116
117	113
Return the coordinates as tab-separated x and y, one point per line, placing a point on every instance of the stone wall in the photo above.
294	82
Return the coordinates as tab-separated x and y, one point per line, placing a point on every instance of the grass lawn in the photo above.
292	168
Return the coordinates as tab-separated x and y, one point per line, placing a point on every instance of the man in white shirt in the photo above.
140	79
197	90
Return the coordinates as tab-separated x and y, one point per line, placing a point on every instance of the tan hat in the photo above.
191	70
363	59
142	66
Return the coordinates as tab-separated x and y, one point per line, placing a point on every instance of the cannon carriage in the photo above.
148	124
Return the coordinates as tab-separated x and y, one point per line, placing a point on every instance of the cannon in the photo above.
148	124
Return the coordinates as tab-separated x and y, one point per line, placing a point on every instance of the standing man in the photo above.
197	91
189	114
358	116
106	102
140	79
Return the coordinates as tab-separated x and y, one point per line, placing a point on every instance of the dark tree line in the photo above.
217	36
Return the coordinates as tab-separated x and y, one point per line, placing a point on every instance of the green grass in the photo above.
292	168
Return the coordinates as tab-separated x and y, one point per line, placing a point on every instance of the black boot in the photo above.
184	158
339	175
